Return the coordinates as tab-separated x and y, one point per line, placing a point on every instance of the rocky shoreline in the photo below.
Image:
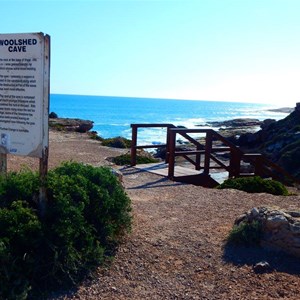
278	140
233	129
228	128
69	124
239	122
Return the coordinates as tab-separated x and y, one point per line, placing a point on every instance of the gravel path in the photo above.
176	249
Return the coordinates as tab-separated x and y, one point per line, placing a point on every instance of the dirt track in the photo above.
176	249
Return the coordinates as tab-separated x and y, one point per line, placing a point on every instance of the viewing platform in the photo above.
208	160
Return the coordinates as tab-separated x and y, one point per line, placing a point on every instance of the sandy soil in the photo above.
65	146
176	249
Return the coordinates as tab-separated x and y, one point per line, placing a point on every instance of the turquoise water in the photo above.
112	116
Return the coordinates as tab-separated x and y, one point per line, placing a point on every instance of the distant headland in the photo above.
287	110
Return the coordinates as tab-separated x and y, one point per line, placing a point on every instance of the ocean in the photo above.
112	116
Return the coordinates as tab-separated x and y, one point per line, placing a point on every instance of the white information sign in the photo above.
24	93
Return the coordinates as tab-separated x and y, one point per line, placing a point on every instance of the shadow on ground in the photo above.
278	261
161	182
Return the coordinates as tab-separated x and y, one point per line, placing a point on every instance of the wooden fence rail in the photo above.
204	154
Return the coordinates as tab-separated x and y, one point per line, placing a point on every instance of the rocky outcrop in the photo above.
241	122
233	129
280	229
66	124
278	140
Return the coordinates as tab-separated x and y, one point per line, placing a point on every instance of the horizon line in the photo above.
152	98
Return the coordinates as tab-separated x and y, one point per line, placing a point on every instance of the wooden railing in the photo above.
204	156
135	147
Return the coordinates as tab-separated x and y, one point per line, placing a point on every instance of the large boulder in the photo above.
280	228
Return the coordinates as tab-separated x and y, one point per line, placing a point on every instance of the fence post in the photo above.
258	165
171	156
133	145
198	159
3	163
167	145
208	148
43	168
235	163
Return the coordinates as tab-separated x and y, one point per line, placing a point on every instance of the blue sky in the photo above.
233	50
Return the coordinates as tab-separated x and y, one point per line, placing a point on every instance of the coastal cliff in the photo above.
278	140
69	124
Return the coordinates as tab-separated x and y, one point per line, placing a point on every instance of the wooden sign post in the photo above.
24	98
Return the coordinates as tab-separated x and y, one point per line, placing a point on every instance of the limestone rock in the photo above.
240	122
280	229
119	175
67	124
261	267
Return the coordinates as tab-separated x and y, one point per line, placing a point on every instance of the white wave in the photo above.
111	124
188	123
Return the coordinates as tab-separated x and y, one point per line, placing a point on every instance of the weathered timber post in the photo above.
171	157
3	164
258	165
43	190
235	163
45	121
133	144
208	149
167	144
198	159
256	159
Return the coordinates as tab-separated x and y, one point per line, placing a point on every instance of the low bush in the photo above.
53	115
117	142
19	186
247	234
94	136
87	215
255	184
125	159
20	242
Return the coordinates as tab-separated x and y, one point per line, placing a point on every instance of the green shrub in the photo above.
94	136
19	186
87	215
107	207
57	126
53	115
117	142
20	241
125	159
255	185
248	234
